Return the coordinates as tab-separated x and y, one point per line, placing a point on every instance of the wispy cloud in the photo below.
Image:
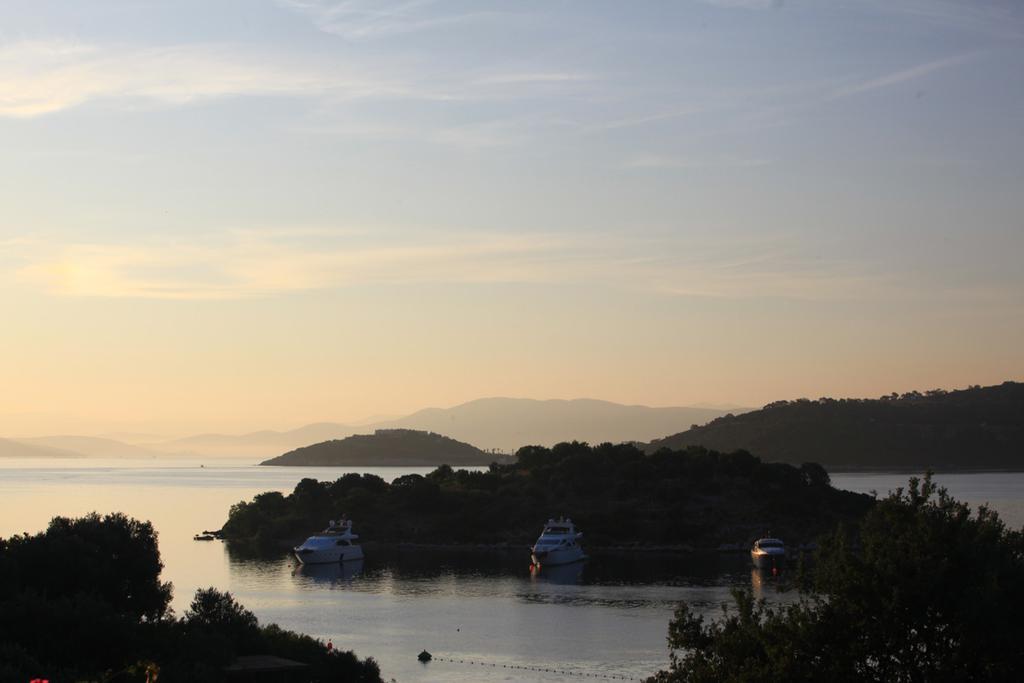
657	161
644	119
993	19
533	78
903	75
746	4
357	20
261	263
43	77
265	263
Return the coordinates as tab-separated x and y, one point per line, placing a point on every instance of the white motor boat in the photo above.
558	544
768	553
333	545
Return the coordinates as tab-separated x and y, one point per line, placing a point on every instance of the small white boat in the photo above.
768	553
333	545
558	544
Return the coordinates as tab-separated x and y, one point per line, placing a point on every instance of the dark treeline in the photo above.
979	427
616	493
920	590
83	601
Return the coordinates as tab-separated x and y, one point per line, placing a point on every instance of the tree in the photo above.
934	593
211	608
115	559
815	474
84	601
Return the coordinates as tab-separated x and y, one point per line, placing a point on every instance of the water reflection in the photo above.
331	574
562	574
486	606
440	565
764	580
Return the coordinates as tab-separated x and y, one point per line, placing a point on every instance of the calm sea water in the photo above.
486	611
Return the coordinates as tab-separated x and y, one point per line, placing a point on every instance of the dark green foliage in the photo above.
616	493
216	629
115	560
387	447
814	474
83	601
973	428
934	593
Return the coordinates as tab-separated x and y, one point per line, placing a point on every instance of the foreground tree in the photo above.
83	601
934	593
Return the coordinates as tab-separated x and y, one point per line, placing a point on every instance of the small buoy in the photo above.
424	656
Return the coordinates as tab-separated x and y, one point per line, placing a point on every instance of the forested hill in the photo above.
620	496
979	427
388	447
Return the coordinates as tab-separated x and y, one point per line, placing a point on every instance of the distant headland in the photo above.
390	448
974	428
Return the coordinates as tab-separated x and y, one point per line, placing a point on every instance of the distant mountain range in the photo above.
92	446
14	448
75	447
256	444
979	427
502	424
389	448
509	423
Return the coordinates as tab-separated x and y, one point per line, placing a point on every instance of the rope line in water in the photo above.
539	669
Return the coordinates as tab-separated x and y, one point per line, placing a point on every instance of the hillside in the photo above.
386	448
91	446
975	428
10	448
491	423
620	496
508	423
259	444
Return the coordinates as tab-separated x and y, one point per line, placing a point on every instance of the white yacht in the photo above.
334	544
768	553
558	544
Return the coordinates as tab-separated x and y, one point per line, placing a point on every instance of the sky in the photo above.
233	215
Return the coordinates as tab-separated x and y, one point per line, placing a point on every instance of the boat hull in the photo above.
768	560
333	555
558	556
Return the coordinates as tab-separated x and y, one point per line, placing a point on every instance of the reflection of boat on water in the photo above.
761	581
334	544
757	582
560	574
331	573
558	544
768	553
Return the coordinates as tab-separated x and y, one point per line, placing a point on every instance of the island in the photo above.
618	496
389	448
970	429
